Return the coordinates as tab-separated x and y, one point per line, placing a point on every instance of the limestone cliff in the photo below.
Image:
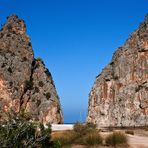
119	96
25	83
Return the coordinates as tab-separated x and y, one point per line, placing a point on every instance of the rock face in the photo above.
25	83
119	96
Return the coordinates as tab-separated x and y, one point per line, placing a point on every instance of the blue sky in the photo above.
76	40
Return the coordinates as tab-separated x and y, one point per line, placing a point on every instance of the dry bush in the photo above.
129	132
116	138
146	128
92	138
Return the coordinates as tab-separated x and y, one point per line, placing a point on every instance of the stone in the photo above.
25	83
119	97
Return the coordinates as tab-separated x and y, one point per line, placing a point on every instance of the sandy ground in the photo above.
61	127
139	140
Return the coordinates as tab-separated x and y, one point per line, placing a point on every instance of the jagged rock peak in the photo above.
119	96
14	24
25	82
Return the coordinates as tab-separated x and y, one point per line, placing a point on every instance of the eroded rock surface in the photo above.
119	96
25	83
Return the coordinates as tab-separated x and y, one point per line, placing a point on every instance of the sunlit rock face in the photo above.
119	96
25	83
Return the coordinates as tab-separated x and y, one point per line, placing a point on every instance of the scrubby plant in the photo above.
91	125
79	128
116	138
129	132
38	59
93	138
16	131
28	84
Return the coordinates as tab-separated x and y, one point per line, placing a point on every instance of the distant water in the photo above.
73	117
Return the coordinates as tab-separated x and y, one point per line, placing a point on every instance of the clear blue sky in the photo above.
76	39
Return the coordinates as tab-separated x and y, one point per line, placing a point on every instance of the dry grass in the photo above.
116	138
64	138
71	137
81	135
93	138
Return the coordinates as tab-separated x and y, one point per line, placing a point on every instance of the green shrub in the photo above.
116	138
129	132
28	85
38	59
17	131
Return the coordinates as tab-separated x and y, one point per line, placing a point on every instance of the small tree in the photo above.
17	131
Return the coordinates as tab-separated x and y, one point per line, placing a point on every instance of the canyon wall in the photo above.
25	83
119	96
